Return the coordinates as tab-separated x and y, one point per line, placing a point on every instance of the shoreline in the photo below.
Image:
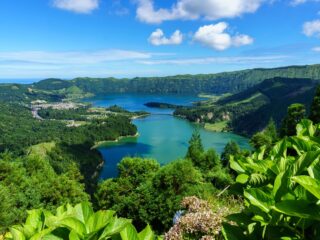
101	143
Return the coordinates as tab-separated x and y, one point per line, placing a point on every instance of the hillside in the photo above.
250	110
228	82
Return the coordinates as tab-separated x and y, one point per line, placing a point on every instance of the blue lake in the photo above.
161	136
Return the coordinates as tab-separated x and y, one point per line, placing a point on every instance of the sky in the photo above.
129	38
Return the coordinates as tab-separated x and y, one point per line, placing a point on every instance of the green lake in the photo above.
161	136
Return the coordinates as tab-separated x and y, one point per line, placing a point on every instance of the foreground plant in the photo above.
281	190
77	223
197	222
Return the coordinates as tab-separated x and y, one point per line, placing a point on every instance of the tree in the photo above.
232	148
266	138
195	147
169	186
260	139
315	107
271	130
296	112
123	194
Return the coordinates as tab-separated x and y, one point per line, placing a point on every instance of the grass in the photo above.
216	127
249	99
41	149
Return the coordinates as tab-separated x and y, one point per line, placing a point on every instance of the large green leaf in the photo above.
236	166
83	211
304	161
129	233
17	234
73	236
242	178
35	219
99	220
259	198
114	227
231	232
299	208
146	234
305	128
72	223
310	184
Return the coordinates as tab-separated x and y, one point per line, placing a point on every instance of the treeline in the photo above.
231	82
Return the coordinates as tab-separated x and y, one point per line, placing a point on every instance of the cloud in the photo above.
312	28
43	64
195	9
77	6
218	60
216	37
316	49
61	58
298	2
158	38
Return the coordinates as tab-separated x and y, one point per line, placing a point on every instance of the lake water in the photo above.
161	136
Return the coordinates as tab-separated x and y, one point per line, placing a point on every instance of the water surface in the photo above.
161	136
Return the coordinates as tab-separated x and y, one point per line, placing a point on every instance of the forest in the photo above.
229	82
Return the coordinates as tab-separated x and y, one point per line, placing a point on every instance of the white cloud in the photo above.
216	37
298	2
158	38
194	9
42	64
312	28
217	60
316	49
72	57
78	6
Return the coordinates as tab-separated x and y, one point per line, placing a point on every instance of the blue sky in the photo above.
129	38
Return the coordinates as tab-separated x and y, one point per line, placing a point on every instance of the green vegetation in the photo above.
49	163
296	112
266	138
150	194
315	107
31	182
280	189
272	193
77	223
220	83
249	111
161	105
217	127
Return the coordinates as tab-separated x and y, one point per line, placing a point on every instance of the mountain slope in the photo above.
230	82
253	108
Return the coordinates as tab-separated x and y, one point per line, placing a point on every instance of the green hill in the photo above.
253	108
249	111
228	82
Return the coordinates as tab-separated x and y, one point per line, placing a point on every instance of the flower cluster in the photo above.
198	221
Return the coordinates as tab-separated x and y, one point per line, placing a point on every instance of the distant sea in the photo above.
21	81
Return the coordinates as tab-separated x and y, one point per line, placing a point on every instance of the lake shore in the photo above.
103	143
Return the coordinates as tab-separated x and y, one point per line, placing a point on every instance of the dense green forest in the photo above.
61	144
229	82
